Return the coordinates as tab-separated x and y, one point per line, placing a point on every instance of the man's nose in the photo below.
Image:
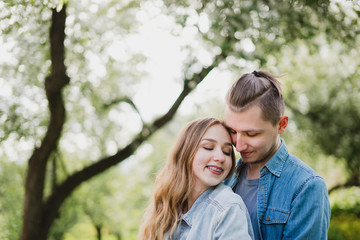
240	144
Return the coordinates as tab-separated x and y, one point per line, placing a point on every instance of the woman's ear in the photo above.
283	124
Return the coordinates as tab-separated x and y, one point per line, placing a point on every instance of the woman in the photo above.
190	200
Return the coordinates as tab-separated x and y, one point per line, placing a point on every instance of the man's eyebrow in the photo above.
254	130
246	130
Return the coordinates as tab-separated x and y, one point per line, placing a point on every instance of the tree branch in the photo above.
67	187
126	100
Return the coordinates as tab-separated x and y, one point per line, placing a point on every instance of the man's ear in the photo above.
283	124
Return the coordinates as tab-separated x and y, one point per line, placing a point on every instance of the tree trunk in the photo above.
33	218
98	232
40	213
117	236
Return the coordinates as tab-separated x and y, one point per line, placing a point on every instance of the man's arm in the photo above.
310	212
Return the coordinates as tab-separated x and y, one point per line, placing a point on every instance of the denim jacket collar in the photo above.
277	161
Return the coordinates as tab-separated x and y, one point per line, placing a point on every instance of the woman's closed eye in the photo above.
227	153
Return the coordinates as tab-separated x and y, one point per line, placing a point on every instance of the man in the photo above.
286	199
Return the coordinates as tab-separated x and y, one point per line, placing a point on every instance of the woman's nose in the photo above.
219	155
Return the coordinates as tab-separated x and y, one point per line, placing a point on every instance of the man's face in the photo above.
254	138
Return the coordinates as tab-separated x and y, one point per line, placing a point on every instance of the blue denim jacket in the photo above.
292	199
218	213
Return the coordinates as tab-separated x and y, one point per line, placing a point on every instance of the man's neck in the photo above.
253	169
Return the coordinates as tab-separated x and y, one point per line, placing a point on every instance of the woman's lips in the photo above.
215	169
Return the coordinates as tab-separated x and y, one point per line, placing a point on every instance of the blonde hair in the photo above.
174	183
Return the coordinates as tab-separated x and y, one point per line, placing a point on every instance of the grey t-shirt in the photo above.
248	189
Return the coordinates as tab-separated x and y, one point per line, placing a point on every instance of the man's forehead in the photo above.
248	121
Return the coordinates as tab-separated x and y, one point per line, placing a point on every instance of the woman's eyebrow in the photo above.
213	140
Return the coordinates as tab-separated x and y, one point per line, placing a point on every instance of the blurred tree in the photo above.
40	210
324	98
240	32
267	31
255	30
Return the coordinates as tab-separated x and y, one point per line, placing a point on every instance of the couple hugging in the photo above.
270	193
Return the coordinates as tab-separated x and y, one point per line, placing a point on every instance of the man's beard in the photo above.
266	156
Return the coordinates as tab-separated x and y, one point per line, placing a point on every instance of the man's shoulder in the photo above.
293	163
297	172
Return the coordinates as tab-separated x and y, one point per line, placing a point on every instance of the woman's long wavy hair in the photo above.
174	183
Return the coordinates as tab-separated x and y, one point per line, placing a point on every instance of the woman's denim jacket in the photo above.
292	199
218	213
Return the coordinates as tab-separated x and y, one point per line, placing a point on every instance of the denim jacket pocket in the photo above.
275	216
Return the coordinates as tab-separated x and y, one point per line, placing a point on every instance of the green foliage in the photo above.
345	214
68	217
24	41
307	39
252	30
11	199
345	226
346	201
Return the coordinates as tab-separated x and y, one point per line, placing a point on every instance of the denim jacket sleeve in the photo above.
309	217
233	223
